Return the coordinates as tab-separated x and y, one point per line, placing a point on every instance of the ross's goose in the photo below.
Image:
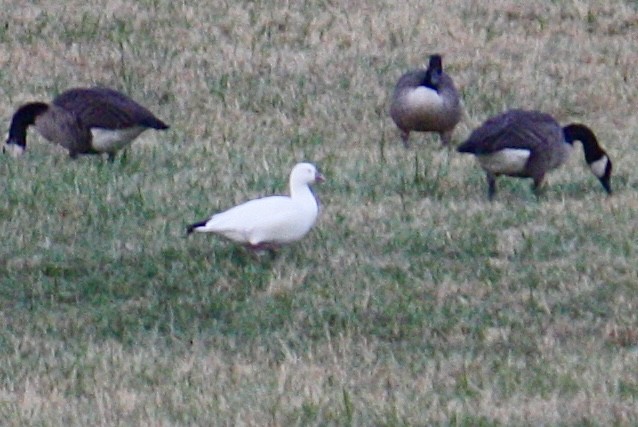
269	222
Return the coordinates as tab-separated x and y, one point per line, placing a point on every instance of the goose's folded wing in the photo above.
107	108
514	129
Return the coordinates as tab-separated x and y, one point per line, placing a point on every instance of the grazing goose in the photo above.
528	144
271	221
84	121
426	101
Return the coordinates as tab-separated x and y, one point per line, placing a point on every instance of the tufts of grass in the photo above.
413	301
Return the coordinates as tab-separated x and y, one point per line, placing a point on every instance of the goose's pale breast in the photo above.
424	109
111	140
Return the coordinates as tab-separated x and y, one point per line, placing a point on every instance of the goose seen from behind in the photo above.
84	121
270	222
528	144
426	101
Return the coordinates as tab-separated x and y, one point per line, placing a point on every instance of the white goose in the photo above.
269	222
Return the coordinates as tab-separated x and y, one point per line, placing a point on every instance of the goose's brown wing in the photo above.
531	130
106	108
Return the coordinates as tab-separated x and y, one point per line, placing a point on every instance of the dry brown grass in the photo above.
415	301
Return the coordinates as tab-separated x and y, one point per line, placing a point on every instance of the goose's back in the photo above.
533	131
106	108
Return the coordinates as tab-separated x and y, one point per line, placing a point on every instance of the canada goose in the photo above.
84	121
268	222
426	101
528	144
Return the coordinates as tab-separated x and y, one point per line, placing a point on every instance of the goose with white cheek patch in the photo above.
528	144
84	121
270	222
426	101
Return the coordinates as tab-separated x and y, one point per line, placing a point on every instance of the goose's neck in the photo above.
433	73
432	79
301	192
23	118
579	132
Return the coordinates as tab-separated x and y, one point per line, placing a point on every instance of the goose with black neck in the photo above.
528	144
84	121
426	100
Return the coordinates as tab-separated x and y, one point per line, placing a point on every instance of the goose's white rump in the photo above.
270	221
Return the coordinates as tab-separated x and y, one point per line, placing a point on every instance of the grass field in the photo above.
414	301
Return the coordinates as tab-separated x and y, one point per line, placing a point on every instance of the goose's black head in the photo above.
433	73
23	118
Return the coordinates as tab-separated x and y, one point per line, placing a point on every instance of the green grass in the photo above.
414	301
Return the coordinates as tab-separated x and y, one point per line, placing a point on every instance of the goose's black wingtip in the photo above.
465	148
155	123
160	125
191	228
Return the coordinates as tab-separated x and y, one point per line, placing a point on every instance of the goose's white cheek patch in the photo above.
599	167
13	150
507	161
